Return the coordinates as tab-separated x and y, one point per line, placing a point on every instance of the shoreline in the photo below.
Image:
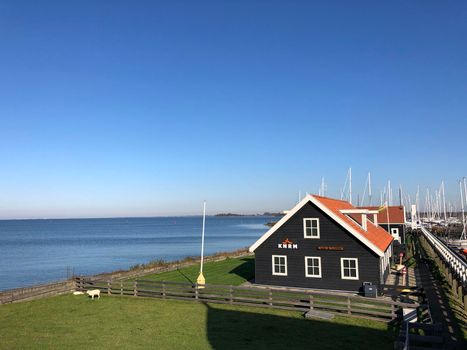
53	288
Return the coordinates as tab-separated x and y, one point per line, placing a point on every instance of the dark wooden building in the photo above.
319	245
392	219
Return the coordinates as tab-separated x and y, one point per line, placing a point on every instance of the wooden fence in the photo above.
276	298
449	264
36	292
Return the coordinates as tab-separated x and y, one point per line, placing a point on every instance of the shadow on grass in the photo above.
246	270
185	276
233	329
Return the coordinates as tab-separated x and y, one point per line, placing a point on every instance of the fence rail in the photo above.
276	298
35	292
455	262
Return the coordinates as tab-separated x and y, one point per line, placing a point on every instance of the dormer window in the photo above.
311	228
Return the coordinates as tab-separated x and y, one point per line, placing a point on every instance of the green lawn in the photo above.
71	322
231	271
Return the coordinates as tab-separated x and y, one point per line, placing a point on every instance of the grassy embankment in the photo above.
115	322
231	271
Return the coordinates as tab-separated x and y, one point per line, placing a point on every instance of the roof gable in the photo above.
375	238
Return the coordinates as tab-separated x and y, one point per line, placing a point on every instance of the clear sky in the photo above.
129	108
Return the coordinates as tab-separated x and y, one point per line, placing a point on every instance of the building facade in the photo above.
319	245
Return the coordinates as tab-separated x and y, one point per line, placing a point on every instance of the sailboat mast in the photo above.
444	203
465	191
389	193
462	209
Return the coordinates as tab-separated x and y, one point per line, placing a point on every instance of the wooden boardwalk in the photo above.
440	310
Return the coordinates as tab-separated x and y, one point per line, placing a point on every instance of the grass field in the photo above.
115	322
231	271
71	322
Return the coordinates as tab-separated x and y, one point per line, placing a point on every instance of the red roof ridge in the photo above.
333	199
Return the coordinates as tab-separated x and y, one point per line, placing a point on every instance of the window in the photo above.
311	228
349	268
312	266
395	231
279	265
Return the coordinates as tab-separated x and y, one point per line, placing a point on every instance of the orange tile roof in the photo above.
375	234
396	214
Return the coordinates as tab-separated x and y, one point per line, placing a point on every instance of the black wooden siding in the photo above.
331	234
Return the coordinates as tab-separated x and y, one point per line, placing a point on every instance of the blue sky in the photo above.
121	108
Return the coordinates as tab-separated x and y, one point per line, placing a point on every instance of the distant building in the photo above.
392	219
318	244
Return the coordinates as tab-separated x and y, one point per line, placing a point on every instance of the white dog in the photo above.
94	292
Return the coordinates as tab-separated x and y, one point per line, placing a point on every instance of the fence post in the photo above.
393	312
163	289
349	309
231	294
196	291
109	287
121	288
135	289
311	302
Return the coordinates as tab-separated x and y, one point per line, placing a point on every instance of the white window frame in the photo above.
273	265
306	266
395	231
305	220
342	269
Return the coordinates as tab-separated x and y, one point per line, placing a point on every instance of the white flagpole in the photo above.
201	280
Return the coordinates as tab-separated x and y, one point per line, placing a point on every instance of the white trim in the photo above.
342	269
364	222
285	264
306	266
355	211
317	228
321	206
396	231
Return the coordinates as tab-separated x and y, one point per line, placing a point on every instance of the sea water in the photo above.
40	251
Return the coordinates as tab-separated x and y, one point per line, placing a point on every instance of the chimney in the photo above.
364	223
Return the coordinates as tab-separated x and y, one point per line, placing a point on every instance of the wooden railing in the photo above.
455	263
276	298
36	292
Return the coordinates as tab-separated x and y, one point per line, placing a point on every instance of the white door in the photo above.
395	233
